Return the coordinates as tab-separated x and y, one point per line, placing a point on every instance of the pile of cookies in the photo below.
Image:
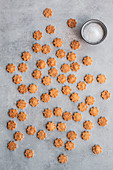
53	93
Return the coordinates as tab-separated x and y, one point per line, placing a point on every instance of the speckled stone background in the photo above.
18	20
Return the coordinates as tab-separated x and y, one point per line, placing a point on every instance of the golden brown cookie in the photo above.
51	126
57	42
82	106
61	127
97	149
17	79
26	56
22	67
58	142
50	29
48	12
22	116
61	78
105	94
53	72
31	130
45	97
41	135
71	78
77	117
13	113
65	68
54	93
47	113
33	101
58	111
10	68
75	66
85	135
60	53
75	45
101	78
11	125
71	135
71	56
74	97
88	125
69	145
22	89
102	121
46	49
71	23
66	90
37	48
46	80
32	88
67	116
81	86
37	35
28	153
87	60
62	159
51	62
18	136
94	111
41	64
21	104
12	146
88	78
90	100
37	74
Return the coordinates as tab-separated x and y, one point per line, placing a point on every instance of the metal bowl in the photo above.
94	21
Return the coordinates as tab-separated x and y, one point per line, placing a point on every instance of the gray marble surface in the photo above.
18	20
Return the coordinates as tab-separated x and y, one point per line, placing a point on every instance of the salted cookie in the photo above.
90	100
18	136
77	117
41	135
32	88
85	135
58	142
58	111
75	66
62	159
31	130
51	126
94	111
97	149
22	116
10	68
61	127
11	125
46	49
71	23
53	72
33	101
75	45
26	56
71	78
88	78
41	64
46	80
101	78
50	29
22	89
57	42
81	86
69	145
71	135
61	78
105	94
47	113
74	97
51	62
87	60
88	125
37	48
17	79
45	97
67	116
12	146
22	67
37	74
48	12
21	104
102	121
82	106
54	93
13	113
28	153
71	56
37	35
66	90
65	68
60	53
